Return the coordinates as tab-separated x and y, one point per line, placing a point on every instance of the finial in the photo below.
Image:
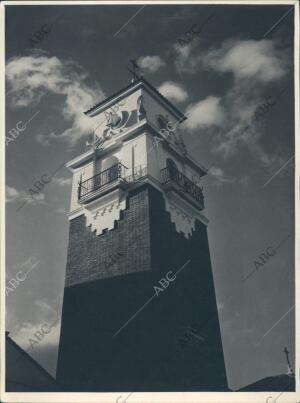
290	370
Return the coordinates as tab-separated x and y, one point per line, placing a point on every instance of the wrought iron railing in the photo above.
138	173
171	174
115	172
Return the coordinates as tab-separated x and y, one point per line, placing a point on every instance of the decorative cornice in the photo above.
142	83
114	142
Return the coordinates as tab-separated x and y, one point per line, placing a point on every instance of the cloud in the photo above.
207	112
32	77
252	66
51	327
43	139
61	210
241	128
40	341
13	195
215	173
185	61
220	175
62	181
261	60
43	313
45	308
27	266
173	91
151	63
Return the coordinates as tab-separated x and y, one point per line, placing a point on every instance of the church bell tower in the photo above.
139	310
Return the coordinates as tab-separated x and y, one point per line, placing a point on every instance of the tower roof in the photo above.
142	82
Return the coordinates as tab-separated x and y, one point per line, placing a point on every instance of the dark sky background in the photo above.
220	79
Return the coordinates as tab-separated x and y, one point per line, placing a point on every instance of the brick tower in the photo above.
139	309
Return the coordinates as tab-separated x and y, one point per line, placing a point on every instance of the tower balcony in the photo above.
102	183
119	176
138	173
174	180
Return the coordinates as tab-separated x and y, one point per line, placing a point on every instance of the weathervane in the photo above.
133	70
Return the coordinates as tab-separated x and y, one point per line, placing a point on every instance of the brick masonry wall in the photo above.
123	250
144	356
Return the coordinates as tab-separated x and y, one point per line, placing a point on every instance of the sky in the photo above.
240	60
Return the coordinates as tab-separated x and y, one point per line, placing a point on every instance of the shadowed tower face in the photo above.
139	310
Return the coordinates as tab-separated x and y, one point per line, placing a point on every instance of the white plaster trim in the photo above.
176	199
105	216
102	212
75	213
184	222
78	161
183	215
187	207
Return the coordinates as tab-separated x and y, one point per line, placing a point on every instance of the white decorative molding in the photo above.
102	213
184	222
104	217
183	214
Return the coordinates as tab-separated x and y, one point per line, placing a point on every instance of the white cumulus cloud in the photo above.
252	67
261	60
207	112
173	91
151	63
13	195
32	77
